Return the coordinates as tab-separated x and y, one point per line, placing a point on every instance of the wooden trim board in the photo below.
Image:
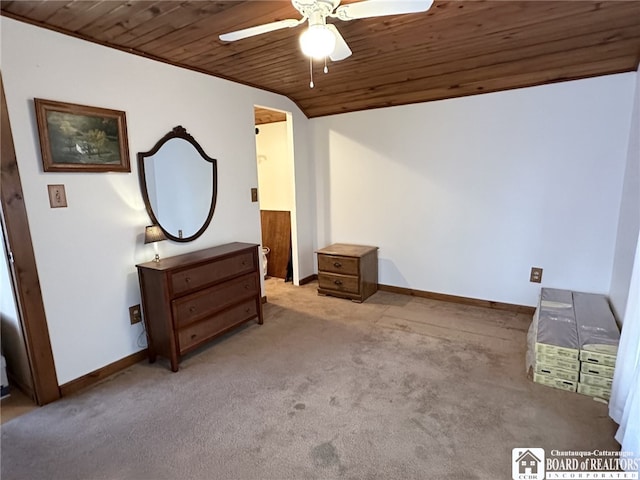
456	299
96	376
309	279
28	291
509	307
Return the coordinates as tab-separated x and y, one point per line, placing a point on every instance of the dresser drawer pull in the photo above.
187	279
192	309
193	335
337	264
338	282
248	310
247	286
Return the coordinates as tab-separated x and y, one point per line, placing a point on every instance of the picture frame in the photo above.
80	138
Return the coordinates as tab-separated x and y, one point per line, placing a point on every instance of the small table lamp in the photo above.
153	234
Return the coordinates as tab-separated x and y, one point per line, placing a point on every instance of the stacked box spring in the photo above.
573	342
598	336
553	348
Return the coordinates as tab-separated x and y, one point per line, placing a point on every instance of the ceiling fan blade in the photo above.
379	8
342	50
260	29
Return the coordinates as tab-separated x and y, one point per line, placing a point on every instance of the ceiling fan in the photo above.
322	39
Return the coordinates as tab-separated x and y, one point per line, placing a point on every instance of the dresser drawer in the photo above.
339	283
197	277
337	264
196	306
198	332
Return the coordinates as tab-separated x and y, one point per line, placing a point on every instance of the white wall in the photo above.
275	167
464	196
629	221
86	253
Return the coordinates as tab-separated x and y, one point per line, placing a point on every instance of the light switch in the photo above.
57	196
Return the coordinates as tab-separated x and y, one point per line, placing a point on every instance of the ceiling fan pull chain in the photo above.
311	72
326	69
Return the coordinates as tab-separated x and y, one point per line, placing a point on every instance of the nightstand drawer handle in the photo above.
187	279
247	286
337	264
338	282
192	309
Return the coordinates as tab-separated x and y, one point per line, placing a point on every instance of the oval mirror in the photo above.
179	185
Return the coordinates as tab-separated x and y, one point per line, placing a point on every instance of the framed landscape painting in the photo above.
77	138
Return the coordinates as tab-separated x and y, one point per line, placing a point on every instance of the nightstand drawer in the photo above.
337	264
198	305
339	283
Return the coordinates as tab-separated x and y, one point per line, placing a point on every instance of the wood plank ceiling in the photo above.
265	115
457	48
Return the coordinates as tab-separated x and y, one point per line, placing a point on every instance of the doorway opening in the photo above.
276	192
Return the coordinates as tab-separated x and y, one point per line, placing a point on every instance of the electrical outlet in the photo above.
135	314
536	275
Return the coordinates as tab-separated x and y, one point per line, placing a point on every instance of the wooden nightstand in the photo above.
348	271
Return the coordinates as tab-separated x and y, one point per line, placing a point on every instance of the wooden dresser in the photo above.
190	299
348	271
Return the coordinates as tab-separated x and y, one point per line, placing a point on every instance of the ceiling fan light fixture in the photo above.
317	42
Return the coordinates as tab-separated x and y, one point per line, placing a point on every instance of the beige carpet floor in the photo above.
394	388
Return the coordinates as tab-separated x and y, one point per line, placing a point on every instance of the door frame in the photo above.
293	212
23	267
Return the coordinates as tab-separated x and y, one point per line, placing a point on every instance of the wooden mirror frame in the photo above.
177	132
